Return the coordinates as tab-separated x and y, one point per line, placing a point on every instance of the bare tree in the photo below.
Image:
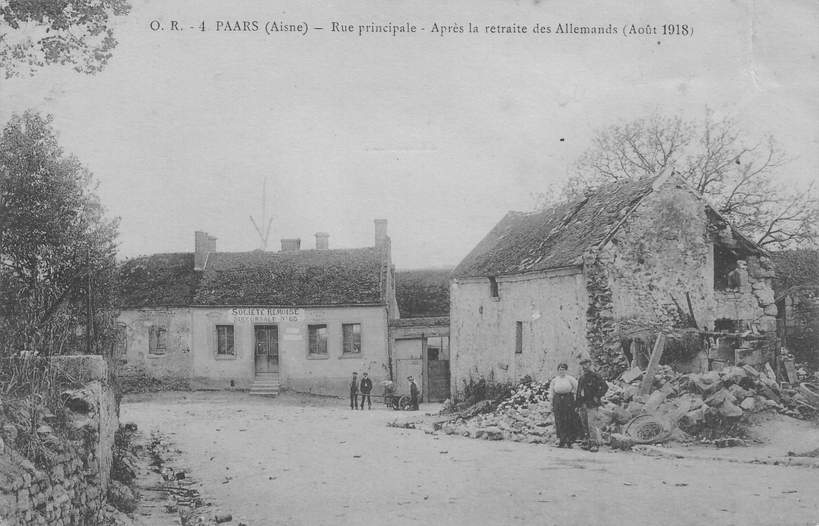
34	33
736	174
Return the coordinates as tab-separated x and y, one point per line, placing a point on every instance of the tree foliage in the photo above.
35	33
737	175
57	247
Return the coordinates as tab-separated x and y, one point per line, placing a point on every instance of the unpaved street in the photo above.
309	461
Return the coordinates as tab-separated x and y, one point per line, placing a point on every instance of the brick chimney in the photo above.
204	246
322	241
380	232
291	245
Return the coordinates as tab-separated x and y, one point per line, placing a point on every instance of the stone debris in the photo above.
675	403
526	416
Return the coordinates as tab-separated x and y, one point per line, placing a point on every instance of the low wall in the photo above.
69	487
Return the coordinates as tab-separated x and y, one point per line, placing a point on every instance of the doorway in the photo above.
267	348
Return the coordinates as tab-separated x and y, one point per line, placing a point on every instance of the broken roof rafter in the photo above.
562	235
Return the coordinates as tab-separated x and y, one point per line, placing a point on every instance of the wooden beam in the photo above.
691	310
790	371
656	354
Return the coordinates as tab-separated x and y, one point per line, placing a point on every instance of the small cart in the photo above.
392	399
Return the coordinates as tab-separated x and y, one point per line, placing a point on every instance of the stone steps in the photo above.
266	384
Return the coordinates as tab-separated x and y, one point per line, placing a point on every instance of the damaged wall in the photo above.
71	487
550	308
659	258
751	302
147	368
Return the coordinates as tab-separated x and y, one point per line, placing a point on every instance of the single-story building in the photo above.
300	319
599	277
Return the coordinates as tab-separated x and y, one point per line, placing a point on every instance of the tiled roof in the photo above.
422	293
301	278
160	280
554	238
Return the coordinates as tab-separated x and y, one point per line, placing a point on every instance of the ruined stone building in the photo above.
419	339
600	277
303	319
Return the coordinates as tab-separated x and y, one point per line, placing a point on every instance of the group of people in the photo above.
575	403
575	406
365	387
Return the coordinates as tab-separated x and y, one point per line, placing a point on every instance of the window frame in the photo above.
494	291
310	346
230	330
344	343
518	337
157	340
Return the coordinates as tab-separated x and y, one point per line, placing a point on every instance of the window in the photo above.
493	287
224	340
438	348
725	262
318	339
156	340
352	338
519	337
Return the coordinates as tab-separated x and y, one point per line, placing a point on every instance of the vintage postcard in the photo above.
445	199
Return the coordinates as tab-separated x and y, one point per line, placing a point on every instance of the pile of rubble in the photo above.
730	392
638	412
524	417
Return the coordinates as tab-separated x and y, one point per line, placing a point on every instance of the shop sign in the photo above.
266	315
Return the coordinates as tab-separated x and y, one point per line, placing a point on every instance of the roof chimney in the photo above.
380	232
291	245
322	241
204	245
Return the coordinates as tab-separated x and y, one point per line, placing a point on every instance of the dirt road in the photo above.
307	461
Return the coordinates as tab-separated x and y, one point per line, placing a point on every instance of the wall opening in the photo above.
519	337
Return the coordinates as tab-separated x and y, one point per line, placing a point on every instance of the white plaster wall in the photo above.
172	367
483	329
297	369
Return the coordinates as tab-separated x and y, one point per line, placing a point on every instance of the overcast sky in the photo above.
440	135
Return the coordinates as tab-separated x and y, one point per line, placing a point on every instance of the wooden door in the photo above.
438	380
267	348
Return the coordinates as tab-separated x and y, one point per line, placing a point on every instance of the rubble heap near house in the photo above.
669	404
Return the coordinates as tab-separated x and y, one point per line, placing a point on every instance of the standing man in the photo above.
366	387
590	390
354	392
414	392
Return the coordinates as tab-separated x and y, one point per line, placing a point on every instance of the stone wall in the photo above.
801	327
752	302
550	308
69	486
658	261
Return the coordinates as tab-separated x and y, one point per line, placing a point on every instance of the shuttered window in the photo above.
157	340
